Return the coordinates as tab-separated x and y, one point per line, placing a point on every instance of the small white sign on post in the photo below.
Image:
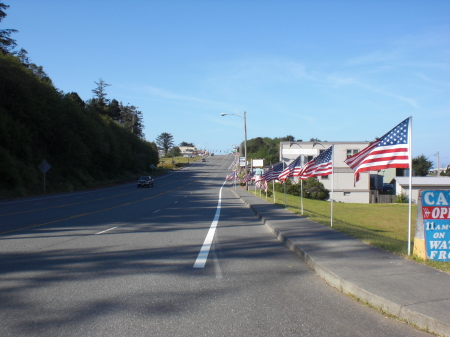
258	162
44	167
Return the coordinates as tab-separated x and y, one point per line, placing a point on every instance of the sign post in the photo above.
44	167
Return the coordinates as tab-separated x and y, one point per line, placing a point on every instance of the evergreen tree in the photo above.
6	43
174	152
421	166
131	119
100	101
114	111
77	99
165	140
186	144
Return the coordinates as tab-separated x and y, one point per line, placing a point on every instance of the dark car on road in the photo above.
145	181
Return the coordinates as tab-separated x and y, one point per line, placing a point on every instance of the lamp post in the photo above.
173	157
245	137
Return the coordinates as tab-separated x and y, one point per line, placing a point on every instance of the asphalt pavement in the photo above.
408	290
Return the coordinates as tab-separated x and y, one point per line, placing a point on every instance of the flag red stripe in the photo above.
390	151
358	157
399	158
382	167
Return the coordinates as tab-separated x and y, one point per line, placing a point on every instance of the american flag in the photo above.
248	177
322	165
261	184
390	151
234	163
273	172
293	168
257	177
231	176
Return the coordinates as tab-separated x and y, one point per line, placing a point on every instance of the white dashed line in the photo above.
105	230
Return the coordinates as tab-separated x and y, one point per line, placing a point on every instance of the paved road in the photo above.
121	261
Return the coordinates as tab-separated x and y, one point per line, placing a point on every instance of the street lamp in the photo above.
245	136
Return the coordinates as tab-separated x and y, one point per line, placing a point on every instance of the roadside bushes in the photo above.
312	189
401	198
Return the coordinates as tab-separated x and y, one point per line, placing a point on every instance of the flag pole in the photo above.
410	182
273	189
301	186
332	184
285	193
301	193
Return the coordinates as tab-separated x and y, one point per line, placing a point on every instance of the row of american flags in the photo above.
393	150
390	151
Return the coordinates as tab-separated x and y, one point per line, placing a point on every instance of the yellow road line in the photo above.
103	210
75	203
61	206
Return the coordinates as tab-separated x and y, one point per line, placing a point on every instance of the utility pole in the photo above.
439	164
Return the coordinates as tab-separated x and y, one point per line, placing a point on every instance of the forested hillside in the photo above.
268	148
84	146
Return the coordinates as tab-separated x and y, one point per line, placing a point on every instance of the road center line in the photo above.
105	230
85	214
204	251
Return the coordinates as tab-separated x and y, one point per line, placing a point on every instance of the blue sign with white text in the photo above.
436	222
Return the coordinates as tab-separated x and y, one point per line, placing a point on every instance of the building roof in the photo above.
326	142
424	181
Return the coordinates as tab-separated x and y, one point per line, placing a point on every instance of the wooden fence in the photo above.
377	198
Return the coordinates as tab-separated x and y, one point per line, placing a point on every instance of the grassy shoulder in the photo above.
165	163
381	225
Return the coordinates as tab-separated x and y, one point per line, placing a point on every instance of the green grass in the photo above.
178	162
381	225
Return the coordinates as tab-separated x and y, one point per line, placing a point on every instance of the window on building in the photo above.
346	193
310	158
325	177
351	153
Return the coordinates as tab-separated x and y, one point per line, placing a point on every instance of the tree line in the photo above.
86	143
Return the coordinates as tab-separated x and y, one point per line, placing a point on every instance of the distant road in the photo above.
124	261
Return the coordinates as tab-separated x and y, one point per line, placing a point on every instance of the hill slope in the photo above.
38	122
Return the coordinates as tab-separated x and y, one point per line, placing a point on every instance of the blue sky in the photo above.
333	70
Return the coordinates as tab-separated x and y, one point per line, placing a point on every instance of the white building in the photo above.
187	150
344	188
401	185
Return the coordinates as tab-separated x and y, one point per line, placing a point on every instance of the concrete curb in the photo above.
420	320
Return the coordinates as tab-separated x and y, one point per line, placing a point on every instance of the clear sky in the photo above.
334	70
